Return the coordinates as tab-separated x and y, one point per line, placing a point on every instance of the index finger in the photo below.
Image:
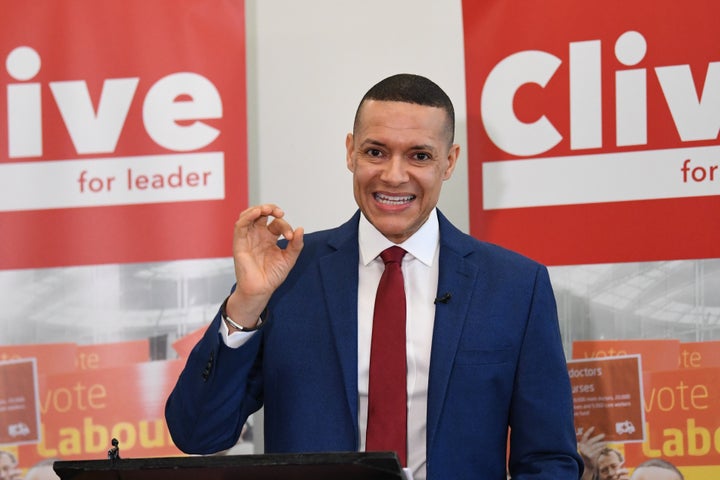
281	227
251	215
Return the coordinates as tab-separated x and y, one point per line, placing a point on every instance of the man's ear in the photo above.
349	145
452	157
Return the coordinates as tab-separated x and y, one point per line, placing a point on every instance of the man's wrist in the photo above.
234	326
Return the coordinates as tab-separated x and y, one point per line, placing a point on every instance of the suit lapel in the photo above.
339	277
456	275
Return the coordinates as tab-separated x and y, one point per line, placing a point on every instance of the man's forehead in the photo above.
390	105
609	457
402	115
654	473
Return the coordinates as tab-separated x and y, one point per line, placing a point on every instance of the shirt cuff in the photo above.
236	339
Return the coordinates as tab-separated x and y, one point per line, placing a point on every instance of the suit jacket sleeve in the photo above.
543	443
215	393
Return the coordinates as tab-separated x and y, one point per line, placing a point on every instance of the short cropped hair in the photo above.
660	463
608	451
410	88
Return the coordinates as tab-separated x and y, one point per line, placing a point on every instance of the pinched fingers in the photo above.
258	215
256	232
281	227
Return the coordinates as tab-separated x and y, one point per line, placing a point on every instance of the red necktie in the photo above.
387	391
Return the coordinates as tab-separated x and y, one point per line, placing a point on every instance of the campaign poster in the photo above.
593	128
683	425
607	397
19	414
123	145
122	130
84	410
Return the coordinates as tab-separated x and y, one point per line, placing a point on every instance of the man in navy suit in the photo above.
484	353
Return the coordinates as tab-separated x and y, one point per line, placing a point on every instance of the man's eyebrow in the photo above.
377	143
423	147
373	142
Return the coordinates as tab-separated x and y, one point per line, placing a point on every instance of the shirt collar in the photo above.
421	245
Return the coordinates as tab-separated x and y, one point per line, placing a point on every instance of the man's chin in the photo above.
393	230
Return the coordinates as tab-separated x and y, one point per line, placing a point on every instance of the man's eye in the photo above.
374	152
422	156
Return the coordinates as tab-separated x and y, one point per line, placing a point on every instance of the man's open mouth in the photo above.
393	199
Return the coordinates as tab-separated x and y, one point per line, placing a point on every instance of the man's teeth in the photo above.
394	200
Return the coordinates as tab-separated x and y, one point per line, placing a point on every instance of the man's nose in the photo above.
395	170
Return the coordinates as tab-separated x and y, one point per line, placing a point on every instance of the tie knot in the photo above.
393	254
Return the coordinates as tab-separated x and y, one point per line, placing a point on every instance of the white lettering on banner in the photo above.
162	110
695	120
182	96
112	181
598	178
585	96
696	117
496	104
630	91
91	132
24	106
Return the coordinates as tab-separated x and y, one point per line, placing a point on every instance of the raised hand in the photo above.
589	447
260	265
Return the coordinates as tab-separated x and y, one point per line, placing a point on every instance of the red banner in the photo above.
123	130
593	128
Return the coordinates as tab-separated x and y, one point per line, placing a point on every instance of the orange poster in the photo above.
683	418
82	412
607	396
19	415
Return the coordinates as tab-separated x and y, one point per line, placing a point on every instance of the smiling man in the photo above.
394	331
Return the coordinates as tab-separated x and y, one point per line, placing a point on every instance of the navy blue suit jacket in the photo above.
496	362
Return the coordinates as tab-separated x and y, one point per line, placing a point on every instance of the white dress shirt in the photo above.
420	275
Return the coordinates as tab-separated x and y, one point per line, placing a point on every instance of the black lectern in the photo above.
315	466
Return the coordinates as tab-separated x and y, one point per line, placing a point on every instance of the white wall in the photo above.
309	64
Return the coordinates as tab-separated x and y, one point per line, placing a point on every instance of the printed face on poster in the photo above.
607	396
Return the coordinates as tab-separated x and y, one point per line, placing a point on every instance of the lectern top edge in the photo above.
292	466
